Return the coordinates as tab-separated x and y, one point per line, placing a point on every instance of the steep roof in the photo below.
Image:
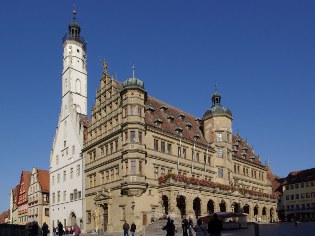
26	178
275	180
242	150
43	179
169	120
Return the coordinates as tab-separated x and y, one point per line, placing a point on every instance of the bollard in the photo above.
256	229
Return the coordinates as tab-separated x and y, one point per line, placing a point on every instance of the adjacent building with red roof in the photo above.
22	197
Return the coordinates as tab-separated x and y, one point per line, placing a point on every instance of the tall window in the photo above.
140	167
64	195
53	180
140	137
220	172
116	145
162	146
58	178
58	196
197	157
75	194
184	152
64	175
78	170
220	152
71	173
156	144
133	167
132	136
169	148
156	172
228	137
219	137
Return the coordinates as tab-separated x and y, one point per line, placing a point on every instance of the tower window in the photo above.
78	50
220	172
219	137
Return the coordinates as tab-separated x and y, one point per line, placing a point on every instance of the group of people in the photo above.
132	229
60	230
215	227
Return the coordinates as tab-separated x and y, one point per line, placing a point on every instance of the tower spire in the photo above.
133	70
74	12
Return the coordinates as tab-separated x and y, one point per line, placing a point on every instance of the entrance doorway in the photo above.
73	218
105	217
165	204
222	206
181	204
210	207
236	207
246	209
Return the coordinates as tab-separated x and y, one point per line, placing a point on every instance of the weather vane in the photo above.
133	70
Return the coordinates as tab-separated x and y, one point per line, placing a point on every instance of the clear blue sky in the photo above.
261	54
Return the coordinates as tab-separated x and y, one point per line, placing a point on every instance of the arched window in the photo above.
78	86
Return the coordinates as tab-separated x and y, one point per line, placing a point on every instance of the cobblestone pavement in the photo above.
279	229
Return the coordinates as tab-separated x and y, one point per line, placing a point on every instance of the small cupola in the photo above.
133	82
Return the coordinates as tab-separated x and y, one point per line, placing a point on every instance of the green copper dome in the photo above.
217	109
133	82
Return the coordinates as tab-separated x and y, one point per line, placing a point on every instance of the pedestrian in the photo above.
169	227
215	226
190	226
126	228
76	230
133	229
60	229
184	225
200	228
45	229
54	231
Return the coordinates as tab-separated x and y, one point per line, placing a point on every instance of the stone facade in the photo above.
145	158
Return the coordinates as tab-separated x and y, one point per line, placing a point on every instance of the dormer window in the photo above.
163	108
170	118
158	122
188	125
181	116
198	121
150	109
196	137
252	158
179	130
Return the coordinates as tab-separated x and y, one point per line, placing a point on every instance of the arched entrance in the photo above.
165	204
235	207
222	206
197	207
73	218
256	213
264	213
246	208
181	204
210	207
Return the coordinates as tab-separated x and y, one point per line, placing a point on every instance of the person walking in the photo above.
126	228
60	229
54	231
200	229
184	225
190	226
45	229
133	229
76	230
215	226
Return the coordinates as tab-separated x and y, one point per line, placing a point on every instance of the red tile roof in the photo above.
4	216
43	179
300	176
160	112
26	178
243	148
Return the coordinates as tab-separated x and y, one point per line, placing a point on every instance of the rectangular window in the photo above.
162	146
53	197
220	172
140	167
71	173
73	149
197	157
57	160
102	151
117	172
302	195
169	148
209	161
287	187
107	176
139	111
58	178
58	196
297	196
291	186
46	211
79	194
219	152
313	194
116	145
178	152
126	136
64	195
78	170
106	150
228	137
296	185
292	197
112	176
156	172
75	194
156	144
64	175
71	197
133	168
162	171
140	137
307	195
184	153
111	148
219	137
302	185
132	136
53	180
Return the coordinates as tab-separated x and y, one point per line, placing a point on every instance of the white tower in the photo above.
66	161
